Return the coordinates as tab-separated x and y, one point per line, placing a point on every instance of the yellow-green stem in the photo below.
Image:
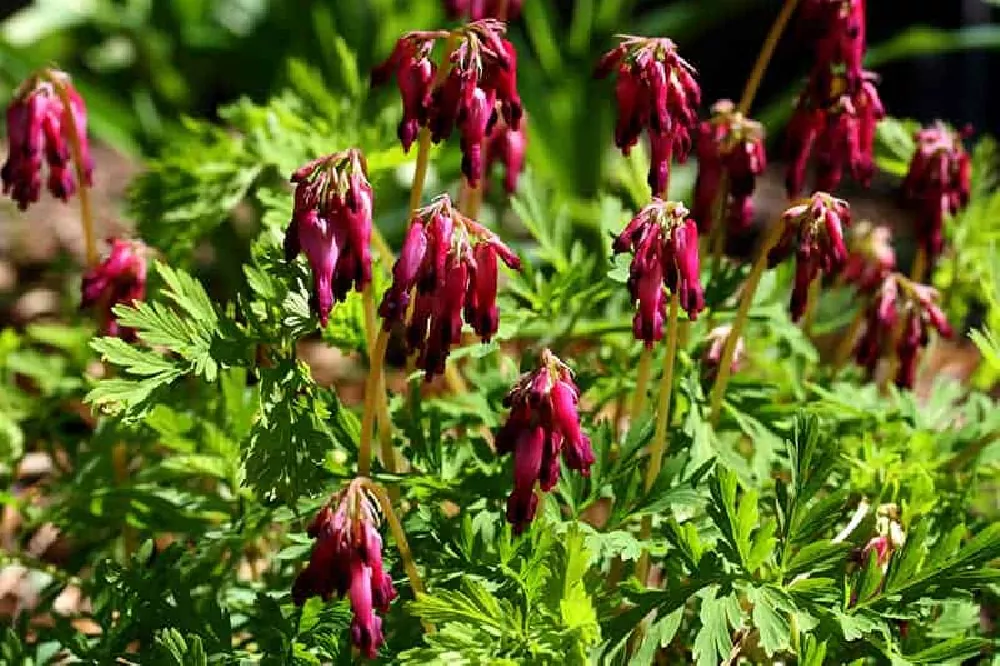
892	367
76	150
746	299
381	398
766	53
846	345
717	236
641	382
812	301
659	446
372	390
919	265
402	545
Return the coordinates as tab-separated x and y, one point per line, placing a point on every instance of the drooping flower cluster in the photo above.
450	262
900	315
347	560
543	423
664	242
836	113
815	231
937	183
727	144
507	146
118	280
474	10
870	257
479	87
332	224
40	125
715	342
657	92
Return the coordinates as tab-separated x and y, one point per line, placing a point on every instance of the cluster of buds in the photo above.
479	87
451	263
475	10
727	144
347	560
815	231
837	129
46	117
870	257
118	280
711	356
937	183
898	321
543	423
332	224
656	91
836	114
664	244
507	146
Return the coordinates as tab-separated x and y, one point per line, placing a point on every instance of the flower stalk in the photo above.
766	53
746	299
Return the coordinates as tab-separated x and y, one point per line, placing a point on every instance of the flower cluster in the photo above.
332	224
715	342
481	9
507	146
937	183
543	423
479	87
450	261
118	280
835	117
40	124
815	231
664	243
870	257
898	321
727	144
656	91
347	560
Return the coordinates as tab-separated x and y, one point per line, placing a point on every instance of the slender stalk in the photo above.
717	236
919	265
372	387
662	422
383	419
766	53
76	150
892	367
641	382
424	138
746	299
846	345
812	300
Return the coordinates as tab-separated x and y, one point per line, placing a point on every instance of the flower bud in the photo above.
870	257
118	280
715	342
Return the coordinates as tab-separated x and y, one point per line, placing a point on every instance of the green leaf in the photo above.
953	650
770	615
817	557
714	643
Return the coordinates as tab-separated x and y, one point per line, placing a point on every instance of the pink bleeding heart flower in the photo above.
836	29
656	91
118	280
449	262
474	10
711	356
507	146
870	257
544	421
346	560
45	118
815	231
332	224
664	243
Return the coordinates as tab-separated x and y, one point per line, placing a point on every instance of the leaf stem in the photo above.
766	53
662	422
746	299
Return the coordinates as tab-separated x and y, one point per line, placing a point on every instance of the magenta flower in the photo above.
836	28
40	125
347	560
449	262
479	88
881	546
937	183
836	130
543	423
664	243
656	91
815	231
911	307
482	9
870	257
729	144
332	224
118	280
507	146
